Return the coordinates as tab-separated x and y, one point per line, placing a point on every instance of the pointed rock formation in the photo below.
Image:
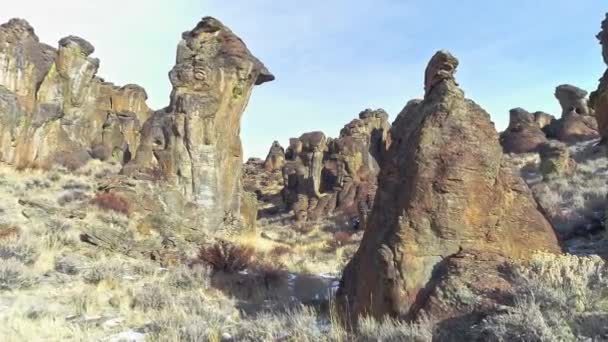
599	98
194	143
56	109
577	122
275	160
524	134
443	189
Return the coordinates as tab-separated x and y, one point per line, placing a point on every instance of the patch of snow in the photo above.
128	336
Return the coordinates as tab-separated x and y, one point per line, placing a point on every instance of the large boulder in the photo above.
524	134
599	98
194	143
444	188
577	122
61	112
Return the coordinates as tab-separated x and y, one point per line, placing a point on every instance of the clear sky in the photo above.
334	58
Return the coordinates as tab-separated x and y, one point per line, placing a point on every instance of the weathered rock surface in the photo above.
555	160
524	133
543	119
471	281
55	108
577	122
194	143
443	189
599	98
322	175
275	160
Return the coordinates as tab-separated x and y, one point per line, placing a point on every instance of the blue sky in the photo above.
333	59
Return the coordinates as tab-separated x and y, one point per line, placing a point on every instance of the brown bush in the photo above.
111	201
9	232
280	250
226	256
342	238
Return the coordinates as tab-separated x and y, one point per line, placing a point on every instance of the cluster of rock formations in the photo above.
527	132
323	174
56	110
446	214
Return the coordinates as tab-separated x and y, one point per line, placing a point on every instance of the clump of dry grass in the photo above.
389	329
151	297
112	202
14	275
183	277
108	270
226	256
21	249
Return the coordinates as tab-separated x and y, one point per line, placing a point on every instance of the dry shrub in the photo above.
280	251
342	238
72	160
21	249
15	275
226	256
339	239
152	297
9	232
304	228
112	202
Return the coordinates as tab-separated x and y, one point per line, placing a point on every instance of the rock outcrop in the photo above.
555	160
524	134
443	189
55	108
543	119
599	98
194	143
322	175
275	160
577	122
